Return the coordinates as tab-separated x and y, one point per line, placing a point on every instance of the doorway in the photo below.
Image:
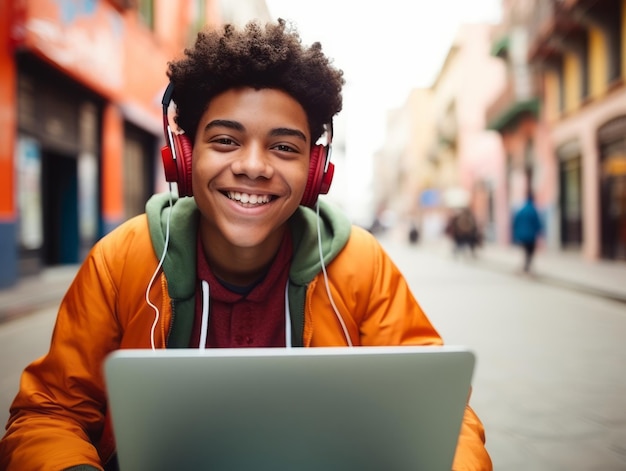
570	196
613	188
61	242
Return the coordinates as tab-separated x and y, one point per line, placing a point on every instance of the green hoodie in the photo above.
179	264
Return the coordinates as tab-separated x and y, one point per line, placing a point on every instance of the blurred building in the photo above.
442	153
514	114
545	113
563	118
391	193
81	119
466	154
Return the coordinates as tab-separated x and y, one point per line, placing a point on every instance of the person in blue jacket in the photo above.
527	228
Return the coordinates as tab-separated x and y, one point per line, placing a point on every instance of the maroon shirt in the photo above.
244	316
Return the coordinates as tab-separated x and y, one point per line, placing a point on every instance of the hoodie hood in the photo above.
180	261
334	231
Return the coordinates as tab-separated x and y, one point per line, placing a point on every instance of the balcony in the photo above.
510	108
518	97
551	26
514	113
447	127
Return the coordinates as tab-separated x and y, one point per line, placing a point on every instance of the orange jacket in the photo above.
59	417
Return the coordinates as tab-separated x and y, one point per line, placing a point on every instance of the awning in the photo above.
509	117
500	48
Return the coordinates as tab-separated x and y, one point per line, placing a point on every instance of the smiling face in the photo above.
249	168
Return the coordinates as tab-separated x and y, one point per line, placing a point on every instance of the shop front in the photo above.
612	143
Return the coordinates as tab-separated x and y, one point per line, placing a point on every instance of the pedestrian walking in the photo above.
527	228
463	229
414	233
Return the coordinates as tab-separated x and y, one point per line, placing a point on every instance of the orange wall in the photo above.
144	72
111	52
8	118
85	42
112	165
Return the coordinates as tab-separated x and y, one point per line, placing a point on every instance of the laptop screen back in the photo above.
362	408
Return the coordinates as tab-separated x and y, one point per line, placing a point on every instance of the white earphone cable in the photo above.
330	296
156	271
287	318
204	328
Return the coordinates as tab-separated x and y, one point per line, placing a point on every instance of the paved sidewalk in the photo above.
568	270
37	291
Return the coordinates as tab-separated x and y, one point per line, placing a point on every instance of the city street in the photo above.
549	386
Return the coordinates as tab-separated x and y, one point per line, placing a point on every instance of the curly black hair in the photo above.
257	56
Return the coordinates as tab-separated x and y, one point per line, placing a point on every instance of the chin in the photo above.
247	238
254	233
246	242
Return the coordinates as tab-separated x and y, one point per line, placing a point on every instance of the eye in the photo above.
223	144
227	141
284	148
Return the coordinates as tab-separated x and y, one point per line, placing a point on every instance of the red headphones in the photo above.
177	152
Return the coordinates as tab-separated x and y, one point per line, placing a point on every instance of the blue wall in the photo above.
8	254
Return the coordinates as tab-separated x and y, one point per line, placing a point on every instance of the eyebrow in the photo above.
288	132
225	123
237	126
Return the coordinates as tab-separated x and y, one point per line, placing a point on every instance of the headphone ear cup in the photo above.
169	164
184	151
327	179
178	150
318	182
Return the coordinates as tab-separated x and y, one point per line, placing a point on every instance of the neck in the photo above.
239	266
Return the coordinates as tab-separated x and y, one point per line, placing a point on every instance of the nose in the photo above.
254	162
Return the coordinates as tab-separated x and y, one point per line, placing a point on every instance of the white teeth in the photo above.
245	198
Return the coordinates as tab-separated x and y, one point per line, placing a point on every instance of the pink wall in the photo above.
481	156
583	127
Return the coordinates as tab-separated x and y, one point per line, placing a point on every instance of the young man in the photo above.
238	259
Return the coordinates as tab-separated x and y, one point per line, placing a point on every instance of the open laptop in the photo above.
329	408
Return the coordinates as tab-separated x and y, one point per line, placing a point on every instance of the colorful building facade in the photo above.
527	165
81	118
574	121
441	152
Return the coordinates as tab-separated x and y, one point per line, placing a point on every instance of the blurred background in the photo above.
447	104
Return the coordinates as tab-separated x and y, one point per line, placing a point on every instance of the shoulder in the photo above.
360	239
361	252
133	232
127	246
